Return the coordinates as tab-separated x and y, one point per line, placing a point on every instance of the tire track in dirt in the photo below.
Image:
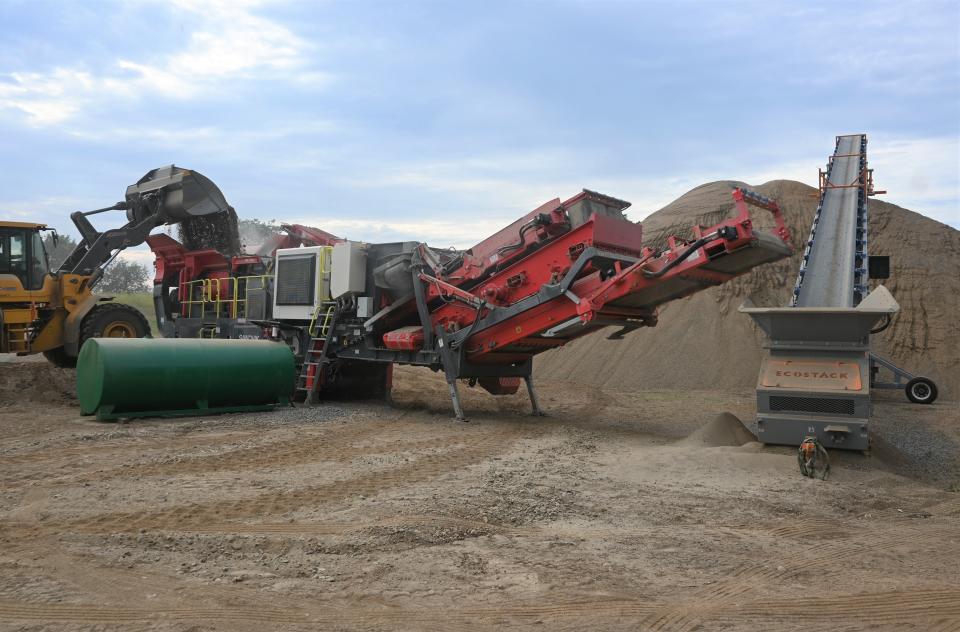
59	465
332	614
340	528
282	453
92	444
119	587
939	607
261	456
687	615
113	586
811	528
96	614
940	604
421	468
947	507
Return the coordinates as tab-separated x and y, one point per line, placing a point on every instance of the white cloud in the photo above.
141	255
46	209
45	99
231	43
439	233
215	140
921	174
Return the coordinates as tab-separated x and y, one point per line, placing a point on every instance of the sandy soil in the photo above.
622	510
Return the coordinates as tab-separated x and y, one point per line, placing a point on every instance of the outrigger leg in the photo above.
537	412
455	396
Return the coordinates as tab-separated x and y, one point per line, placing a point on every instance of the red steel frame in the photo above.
515	264
592	292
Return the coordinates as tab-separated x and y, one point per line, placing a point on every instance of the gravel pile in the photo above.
917	445
36	382
283	416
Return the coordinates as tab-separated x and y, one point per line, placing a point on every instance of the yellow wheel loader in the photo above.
54	312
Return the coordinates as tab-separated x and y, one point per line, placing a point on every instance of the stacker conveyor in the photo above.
833	271
817	377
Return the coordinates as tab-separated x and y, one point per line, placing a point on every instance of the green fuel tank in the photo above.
142	377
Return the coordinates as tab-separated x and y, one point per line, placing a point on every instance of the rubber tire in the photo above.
930	387
102	315
58	357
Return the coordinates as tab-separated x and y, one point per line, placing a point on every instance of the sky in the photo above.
444	121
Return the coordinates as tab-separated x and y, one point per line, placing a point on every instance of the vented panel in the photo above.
296	280
811	405
256	304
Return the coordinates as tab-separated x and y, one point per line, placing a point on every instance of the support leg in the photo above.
455	396
537	412
450	371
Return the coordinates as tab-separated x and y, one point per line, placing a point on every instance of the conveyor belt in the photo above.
832	270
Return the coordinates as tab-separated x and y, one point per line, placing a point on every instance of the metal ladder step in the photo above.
314	349
17	338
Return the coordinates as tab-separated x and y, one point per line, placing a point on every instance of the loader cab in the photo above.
23	255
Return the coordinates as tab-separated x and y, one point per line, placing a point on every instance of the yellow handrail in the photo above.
325	329
325	326
211	293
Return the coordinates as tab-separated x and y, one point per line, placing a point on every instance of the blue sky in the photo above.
442	121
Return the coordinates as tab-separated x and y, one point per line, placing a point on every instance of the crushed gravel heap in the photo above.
36	382
703	342
724	430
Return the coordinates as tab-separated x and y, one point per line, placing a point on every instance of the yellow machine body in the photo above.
39	311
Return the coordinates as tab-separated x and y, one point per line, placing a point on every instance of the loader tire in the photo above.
60	358
113	321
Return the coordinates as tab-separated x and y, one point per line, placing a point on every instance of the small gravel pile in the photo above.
725	429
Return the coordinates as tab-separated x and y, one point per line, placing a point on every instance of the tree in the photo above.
59	252
120	277
123	277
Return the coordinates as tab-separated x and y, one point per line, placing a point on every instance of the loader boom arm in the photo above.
164	196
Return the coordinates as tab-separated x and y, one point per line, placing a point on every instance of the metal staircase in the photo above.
315	360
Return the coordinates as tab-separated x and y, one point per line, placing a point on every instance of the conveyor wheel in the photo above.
921	390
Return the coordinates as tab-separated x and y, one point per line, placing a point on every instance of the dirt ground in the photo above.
621	510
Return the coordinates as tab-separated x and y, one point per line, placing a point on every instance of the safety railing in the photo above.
328	309
220	297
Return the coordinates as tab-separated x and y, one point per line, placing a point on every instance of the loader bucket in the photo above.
183	194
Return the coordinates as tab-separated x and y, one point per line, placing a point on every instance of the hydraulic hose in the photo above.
680	259
523	238
473	326
727	232
886	323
